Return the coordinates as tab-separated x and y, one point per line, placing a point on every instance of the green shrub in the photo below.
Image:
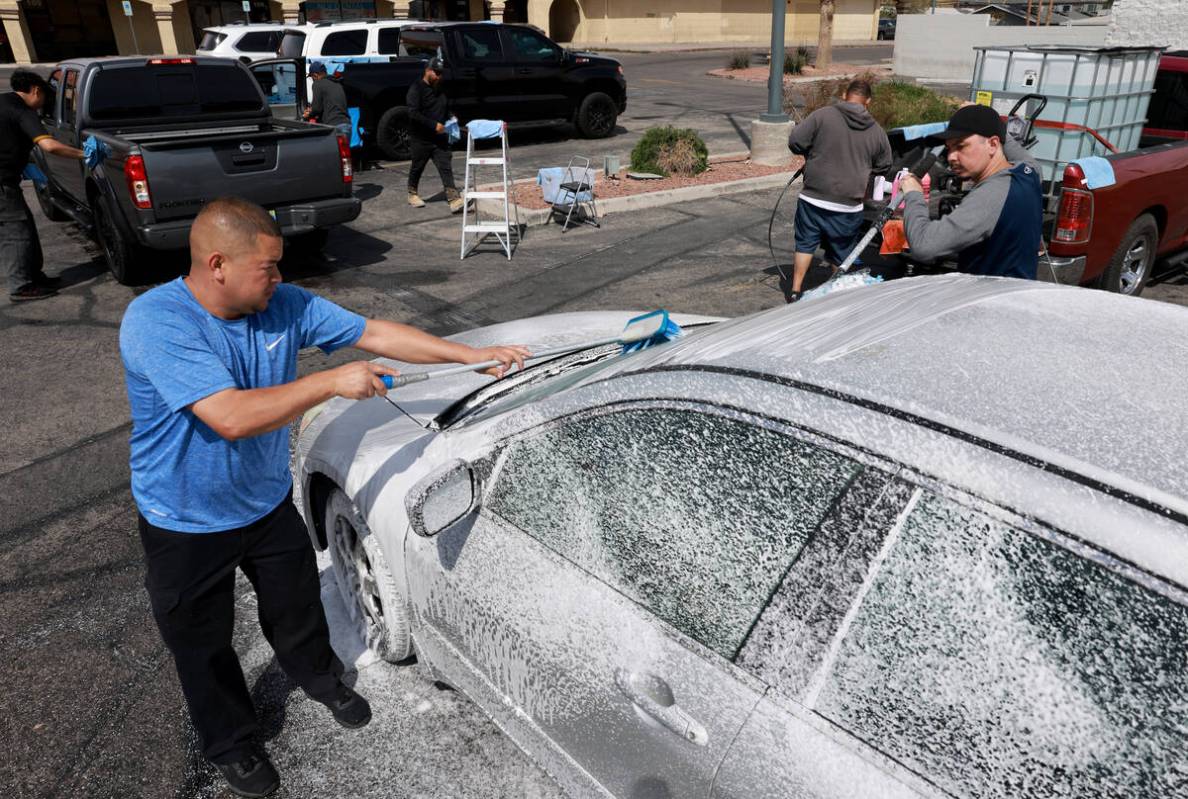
739	59
895	104
667	150
796	61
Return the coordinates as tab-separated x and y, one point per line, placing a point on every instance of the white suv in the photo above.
243	41
356	40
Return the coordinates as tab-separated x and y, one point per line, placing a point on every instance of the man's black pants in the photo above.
422	151
20	247
191	586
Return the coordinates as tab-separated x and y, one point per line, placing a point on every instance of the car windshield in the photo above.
534	382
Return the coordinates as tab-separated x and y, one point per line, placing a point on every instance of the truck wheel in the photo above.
392	134
45	200
122	255
596	116
377	605
1131	265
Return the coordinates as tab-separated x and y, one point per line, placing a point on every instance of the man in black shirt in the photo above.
329	103
20	129
427	115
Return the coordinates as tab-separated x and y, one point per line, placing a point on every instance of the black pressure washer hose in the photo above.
771	224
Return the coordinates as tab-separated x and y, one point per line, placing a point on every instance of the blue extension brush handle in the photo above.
666	331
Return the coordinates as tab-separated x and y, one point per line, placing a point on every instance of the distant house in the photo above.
1037	13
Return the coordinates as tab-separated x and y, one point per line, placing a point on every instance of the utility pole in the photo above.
775	75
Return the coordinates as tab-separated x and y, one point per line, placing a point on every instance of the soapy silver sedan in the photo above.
923	539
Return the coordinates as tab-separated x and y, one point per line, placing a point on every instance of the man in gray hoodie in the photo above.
842	145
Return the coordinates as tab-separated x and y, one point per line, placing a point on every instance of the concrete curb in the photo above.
535	217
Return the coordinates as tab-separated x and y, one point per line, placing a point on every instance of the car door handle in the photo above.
653	696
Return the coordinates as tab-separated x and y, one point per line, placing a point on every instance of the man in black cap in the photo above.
428	111
329	103
20	130
996	230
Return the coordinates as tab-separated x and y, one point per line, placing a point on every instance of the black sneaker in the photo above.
252	776
349	709
45	281
32	291
793	296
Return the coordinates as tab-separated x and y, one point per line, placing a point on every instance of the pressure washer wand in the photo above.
918	171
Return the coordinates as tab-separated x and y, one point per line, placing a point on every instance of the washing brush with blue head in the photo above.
641	332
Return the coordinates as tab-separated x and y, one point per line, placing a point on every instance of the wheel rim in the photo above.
601	118
355	572
1134	266
399	137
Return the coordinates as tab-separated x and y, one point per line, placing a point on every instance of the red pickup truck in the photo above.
1114	237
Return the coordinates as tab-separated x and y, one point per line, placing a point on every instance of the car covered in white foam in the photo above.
920	539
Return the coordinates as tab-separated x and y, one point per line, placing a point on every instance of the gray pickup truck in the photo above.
179	131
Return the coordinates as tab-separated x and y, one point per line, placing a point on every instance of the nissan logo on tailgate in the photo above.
246	147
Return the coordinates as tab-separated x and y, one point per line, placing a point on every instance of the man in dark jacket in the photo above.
842	146
329	103
427	114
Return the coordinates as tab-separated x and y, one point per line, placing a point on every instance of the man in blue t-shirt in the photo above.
211	368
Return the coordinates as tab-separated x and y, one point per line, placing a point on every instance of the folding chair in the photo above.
576	194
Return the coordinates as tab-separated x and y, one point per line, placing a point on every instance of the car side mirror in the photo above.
441	499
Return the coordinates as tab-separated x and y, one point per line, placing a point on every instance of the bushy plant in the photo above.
895	104
796	60
668	150
739	59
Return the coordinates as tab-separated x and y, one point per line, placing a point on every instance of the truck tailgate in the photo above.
273	167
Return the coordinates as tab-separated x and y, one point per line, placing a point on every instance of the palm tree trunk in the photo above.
825	39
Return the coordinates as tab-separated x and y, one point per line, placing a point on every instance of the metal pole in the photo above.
775	78
135	44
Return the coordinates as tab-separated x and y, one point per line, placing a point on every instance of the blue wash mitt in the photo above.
94	152
452	130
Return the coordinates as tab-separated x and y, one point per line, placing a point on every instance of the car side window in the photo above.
694	516
49	110
420	44
980	654
70	98
1169	103
389	41
530	46
482	45
257	42
345	43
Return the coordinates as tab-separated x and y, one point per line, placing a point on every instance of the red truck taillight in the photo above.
1075	220
137	178
344	155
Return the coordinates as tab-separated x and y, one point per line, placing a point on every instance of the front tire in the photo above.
121	254
1131	265
376	603
392	134
597	115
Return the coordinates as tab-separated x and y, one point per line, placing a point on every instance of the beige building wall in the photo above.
600	22
161	27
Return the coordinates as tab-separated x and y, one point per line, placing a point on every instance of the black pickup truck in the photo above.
179	131
492	71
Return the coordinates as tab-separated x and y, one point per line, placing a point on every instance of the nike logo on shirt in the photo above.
272	346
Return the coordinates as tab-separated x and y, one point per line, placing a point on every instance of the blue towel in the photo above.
485	128
94	152
1099	172
452	130
356	131
34	173
550	179
913	132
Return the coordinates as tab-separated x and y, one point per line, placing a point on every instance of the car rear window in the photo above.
211	40
173	90
292	44
345	43
258	42
999	663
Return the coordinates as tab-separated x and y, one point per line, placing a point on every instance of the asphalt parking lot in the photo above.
90	705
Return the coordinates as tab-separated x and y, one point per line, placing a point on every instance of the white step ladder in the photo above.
475	231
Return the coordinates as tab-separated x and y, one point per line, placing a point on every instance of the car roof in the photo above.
1088	381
